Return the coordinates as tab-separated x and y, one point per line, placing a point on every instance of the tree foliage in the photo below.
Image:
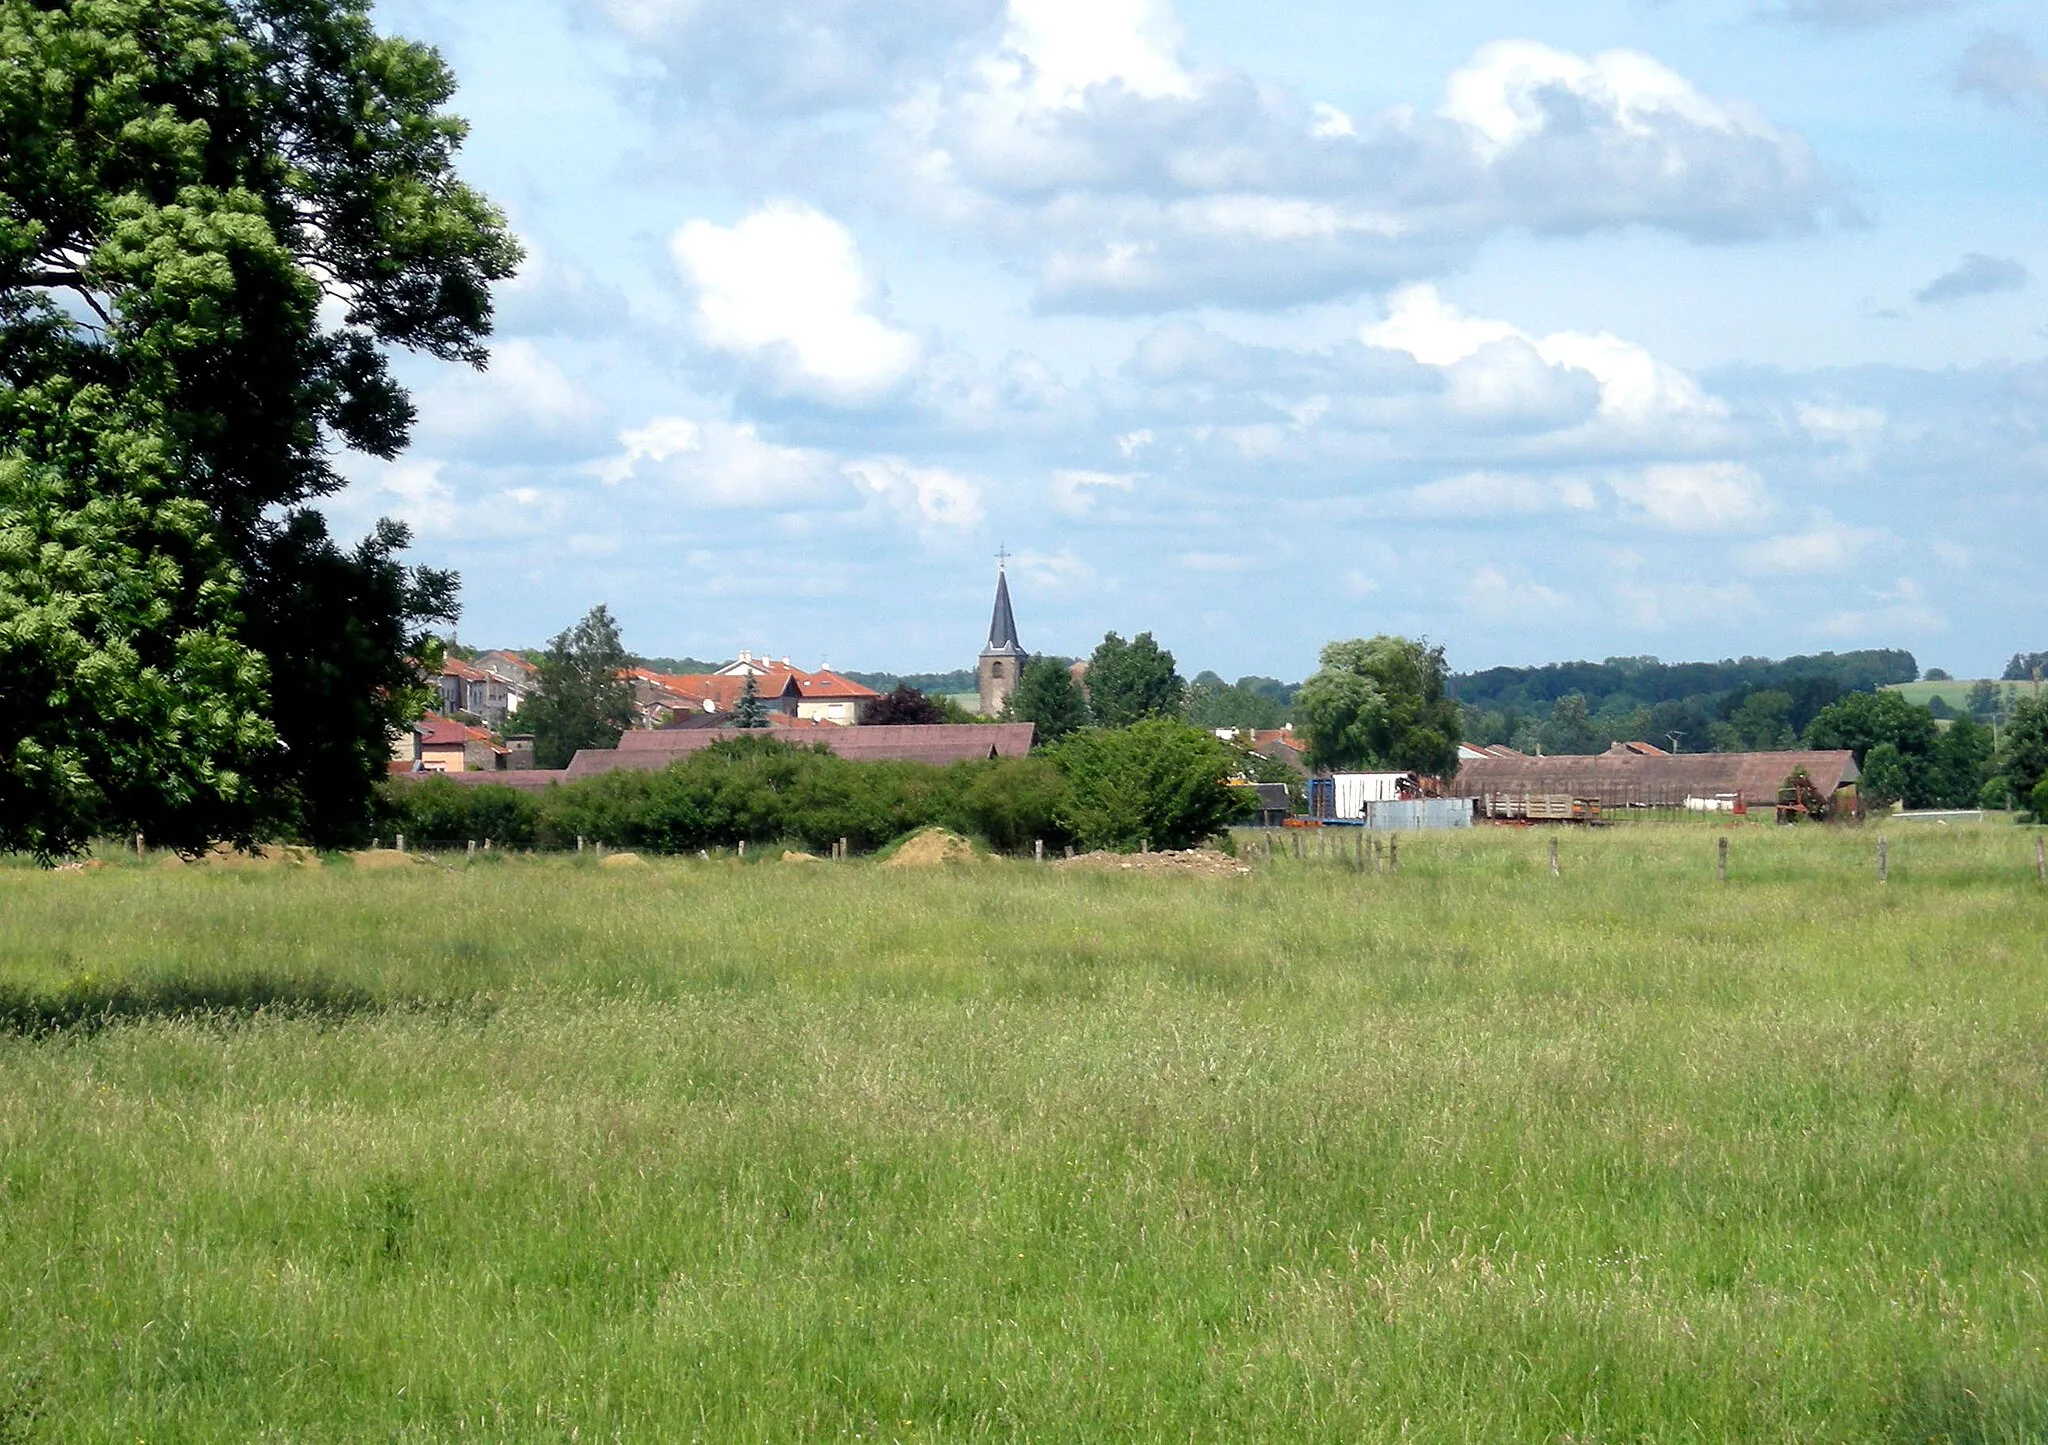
582	702
1380	703
1047	695
2023	746
1250	702
185	185
1132	680
1158	782
904	707
748	711
2024	665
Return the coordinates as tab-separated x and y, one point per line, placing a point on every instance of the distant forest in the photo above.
1734	705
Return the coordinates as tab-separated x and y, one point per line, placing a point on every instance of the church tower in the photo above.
1002	661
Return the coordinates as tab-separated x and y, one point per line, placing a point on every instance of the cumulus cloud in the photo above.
1903	609
937	496
1696	496
1975	275
522	403
1825	546
785	288
2003	70
1493	596
1490	365
1477	496
724	464
1074	492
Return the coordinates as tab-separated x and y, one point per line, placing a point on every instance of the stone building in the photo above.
1002	661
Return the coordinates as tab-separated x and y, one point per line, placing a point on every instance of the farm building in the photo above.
940	743
1631	777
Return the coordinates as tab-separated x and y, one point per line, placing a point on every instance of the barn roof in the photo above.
939	743
1655	779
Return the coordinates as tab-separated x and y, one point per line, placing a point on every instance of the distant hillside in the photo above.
932	684
680	666
1735	704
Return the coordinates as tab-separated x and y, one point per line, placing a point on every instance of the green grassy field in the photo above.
532	1149
1956	693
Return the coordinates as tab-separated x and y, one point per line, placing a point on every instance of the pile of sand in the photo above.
932	848
84	865
262	855
1202	862
792	855
385	858
622	860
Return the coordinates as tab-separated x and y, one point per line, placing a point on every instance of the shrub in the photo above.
1158	781
1010	802
2037	801
437	810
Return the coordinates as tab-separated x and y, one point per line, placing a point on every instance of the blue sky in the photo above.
1601	327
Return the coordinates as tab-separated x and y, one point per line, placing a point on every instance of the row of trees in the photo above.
1158	782
1907	757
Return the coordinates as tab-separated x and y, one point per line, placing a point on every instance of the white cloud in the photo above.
1062	48
1074	492
937	496
1696	496
1637	391
1476	496
1904	609
523	398
1059	573
1510	93
2003	70
724	464
1826	546
1975	275
1493	596
785	286
1356	584
1662	605
1854	14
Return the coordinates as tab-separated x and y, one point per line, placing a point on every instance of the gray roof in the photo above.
1002	626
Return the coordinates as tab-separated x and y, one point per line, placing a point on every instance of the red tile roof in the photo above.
456	667
939	744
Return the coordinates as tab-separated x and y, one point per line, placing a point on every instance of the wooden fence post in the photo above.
1883	872
844	852
1038	850
2040	857
472	850
743	850
579	842
400	844
1553	857
1394	855
1724	860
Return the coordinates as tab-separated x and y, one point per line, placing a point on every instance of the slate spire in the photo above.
1002	626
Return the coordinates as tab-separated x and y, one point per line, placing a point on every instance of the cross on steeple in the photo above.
1003	555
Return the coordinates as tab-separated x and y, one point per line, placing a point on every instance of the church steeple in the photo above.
1002	661
1002	626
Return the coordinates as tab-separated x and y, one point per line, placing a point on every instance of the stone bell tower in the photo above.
1002	661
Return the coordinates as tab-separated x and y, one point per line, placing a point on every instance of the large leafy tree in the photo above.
217	217
583	701
1132	680
1159	782
1048	696
1379	703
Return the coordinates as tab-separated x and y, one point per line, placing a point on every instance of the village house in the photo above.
781	688
491	694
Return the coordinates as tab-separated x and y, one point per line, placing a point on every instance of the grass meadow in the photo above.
533	1149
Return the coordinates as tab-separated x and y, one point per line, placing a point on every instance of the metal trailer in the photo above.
1401	815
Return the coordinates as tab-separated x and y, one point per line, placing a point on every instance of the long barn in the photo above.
1625	778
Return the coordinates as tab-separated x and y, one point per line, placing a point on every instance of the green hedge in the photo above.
762	790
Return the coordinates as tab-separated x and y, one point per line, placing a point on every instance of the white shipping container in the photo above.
1355	790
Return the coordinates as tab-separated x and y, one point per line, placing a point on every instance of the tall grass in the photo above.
535	1149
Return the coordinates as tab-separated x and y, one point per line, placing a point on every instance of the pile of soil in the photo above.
86	865
792	855
1202	862
932	848
622	860
385	858
263	855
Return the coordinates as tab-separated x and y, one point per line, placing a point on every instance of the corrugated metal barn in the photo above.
1623	779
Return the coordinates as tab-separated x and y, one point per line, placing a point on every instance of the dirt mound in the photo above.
262	855
86	865
1202	862
791	855
932	848
385	858
622	860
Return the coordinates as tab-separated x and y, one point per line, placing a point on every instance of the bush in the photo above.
1009	802
437	810
1996	794
1158	781
2037	801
